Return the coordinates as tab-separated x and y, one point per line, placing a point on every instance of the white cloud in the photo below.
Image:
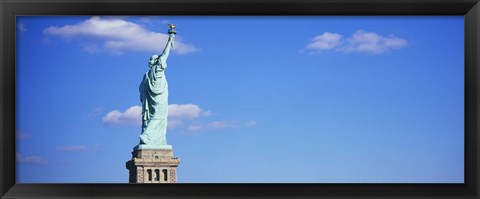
31	159
206	113
117	36
361	41
325	41
186	111
187	115
131	116
177	114
153	21
370	42
72	148
230	124
195	127
223	124
172	123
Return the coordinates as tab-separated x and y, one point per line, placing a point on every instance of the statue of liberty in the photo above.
154	98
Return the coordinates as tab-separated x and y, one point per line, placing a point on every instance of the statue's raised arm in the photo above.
168	47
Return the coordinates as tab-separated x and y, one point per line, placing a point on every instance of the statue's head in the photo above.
152	60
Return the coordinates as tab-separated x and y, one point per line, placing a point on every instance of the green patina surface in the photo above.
154	98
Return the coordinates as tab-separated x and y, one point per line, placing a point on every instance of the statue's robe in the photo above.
154	98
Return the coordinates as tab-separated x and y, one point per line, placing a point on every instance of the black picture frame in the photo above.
470	9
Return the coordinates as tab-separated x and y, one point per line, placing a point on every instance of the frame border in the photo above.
470	9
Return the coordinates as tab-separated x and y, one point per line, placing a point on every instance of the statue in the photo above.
154	98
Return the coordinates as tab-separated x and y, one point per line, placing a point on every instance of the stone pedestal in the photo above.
153	166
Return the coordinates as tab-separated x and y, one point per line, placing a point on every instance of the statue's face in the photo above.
152	60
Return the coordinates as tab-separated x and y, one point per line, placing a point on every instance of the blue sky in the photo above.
252	99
